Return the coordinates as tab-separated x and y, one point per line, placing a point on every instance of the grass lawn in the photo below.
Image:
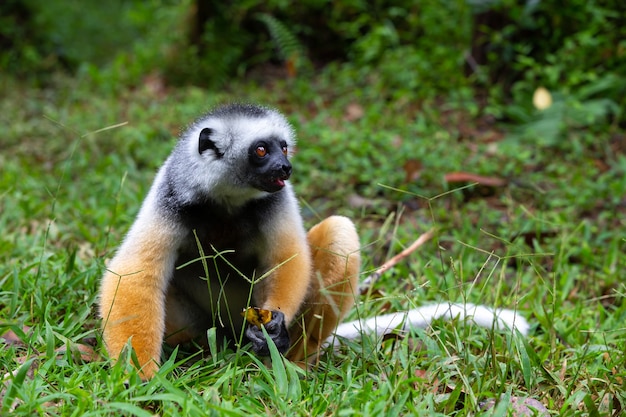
543	230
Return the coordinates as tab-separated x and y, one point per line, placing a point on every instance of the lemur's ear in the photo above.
205	142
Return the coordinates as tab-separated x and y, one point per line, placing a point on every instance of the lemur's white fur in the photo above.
422	317
233	133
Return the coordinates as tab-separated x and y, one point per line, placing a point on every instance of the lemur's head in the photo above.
242	146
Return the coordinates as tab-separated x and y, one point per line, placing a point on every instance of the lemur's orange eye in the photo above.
261	151
284	150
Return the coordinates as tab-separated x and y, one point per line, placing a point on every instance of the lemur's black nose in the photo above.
287	170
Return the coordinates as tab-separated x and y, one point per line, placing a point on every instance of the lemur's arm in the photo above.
289	282
132	295
285	289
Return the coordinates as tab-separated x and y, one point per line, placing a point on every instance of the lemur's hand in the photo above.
276	329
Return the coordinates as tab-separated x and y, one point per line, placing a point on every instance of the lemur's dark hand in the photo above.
276	329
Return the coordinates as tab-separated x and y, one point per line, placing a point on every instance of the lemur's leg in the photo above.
336	262
132	300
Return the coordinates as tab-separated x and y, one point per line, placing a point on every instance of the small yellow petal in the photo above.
542	99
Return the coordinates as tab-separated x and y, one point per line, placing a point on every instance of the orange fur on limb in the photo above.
293	262
132	296
336	264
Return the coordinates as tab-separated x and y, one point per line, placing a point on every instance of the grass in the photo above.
77	162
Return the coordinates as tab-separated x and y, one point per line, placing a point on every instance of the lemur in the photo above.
219	231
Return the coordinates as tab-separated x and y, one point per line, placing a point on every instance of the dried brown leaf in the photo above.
359	202
412	169
11	338
426	377
354	112
155	84
290	66
467	177
79	351
520	407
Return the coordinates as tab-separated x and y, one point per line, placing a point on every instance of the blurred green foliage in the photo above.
39	37
577	51
399	48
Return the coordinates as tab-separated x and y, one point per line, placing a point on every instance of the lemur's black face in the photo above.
269	167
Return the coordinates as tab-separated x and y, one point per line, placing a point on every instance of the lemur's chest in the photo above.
224	243
224	250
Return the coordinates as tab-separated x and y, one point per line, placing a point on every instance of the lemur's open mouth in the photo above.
280	182
274	184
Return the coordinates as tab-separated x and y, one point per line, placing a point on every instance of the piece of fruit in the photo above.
257	316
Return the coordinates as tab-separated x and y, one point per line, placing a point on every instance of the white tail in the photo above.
497	319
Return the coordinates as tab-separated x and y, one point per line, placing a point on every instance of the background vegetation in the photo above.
410	115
